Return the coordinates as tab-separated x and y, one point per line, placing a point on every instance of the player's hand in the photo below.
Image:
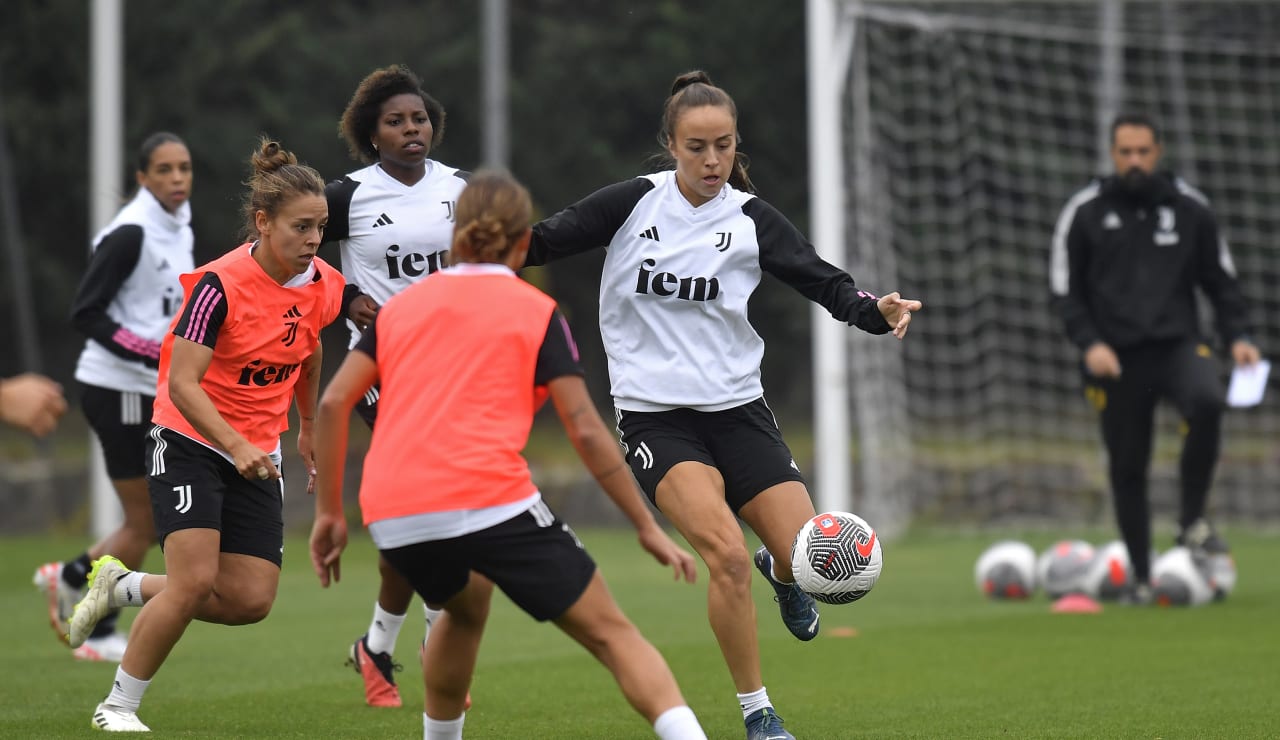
31	402
897	311
328	540
362	311
1245	352
306	449
253	463
666	551
1101	361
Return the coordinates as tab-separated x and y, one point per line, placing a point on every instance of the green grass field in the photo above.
928	658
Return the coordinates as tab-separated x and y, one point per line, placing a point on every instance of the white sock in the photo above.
678	723
127	591
127	691
754	702
383	630
442	729
431	615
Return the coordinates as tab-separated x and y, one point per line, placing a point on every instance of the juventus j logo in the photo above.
291	327
448	204
726	238
184	499
645	457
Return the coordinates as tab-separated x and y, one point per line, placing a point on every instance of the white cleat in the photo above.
108	648
97	600
114	719
59	594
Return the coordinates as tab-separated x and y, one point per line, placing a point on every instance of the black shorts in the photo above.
367	406
192	487
534	557
121	420
743	443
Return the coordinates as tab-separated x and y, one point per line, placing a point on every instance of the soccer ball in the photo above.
1006	570
1061	568
1110	573
1220	570
1177	581
836	557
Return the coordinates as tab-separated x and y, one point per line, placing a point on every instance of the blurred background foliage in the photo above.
587	85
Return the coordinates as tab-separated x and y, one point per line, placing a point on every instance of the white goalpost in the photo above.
959	130
106	164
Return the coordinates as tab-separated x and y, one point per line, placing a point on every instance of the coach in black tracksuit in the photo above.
1128	252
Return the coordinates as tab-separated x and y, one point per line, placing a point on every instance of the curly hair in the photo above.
360	118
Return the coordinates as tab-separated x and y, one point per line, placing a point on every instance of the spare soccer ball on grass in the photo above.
1061	568
836	557
1176	581
1110	574
1006	570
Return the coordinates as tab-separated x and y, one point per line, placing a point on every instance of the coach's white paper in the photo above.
1248	383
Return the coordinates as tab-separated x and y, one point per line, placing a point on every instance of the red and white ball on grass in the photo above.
1061	568
836	557
1177	580
1006	570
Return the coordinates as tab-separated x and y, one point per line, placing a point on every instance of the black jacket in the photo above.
1124	267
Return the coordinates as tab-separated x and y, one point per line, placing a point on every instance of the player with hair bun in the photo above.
445	492
686	249
244	347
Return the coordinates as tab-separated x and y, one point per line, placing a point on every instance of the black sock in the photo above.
76	572
106	625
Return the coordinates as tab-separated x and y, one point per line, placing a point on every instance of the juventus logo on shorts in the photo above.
644	456
184	499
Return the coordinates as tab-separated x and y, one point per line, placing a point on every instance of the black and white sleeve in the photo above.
787	255
558	355
587	224
204	312
111	264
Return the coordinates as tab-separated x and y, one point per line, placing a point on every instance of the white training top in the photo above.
675	287
392	235
146	299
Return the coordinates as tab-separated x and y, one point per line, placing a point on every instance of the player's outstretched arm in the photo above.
356	375
595	445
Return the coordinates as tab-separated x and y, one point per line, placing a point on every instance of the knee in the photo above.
141	530
729	562
189	592
251	608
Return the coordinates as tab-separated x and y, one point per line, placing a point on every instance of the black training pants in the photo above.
1186	373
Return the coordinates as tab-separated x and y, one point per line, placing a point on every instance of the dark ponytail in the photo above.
694	89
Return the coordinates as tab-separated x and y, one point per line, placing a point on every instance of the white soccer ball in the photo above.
1177	581
1220	570
836	557
1006	570
1061	568
1110	573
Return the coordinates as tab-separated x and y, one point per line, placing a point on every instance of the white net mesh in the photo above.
966	127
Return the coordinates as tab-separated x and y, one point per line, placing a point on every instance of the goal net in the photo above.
966	127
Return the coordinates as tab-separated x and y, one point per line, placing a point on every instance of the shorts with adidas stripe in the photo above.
742	443
193	487
367	406
534	557
121	420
